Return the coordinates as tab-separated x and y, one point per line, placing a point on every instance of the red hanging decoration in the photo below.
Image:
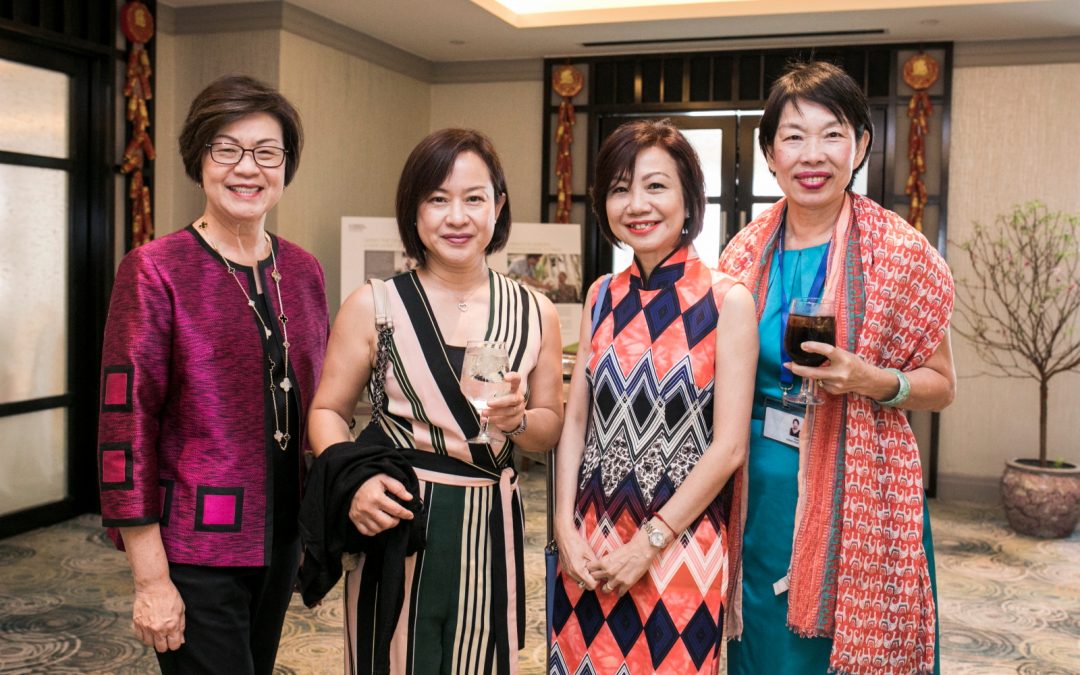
920	73
137	23
567	81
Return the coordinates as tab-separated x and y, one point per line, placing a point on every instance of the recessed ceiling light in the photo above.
550	6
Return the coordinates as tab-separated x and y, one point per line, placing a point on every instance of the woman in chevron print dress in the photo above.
656	425
462	598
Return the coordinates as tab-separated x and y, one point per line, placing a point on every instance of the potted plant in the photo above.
1020	309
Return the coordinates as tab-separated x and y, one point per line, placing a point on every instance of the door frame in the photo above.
90	265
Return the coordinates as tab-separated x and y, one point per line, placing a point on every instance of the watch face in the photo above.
656	538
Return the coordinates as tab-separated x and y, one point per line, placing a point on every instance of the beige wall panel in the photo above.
511	114
1014	138
168	170
360	121
185	65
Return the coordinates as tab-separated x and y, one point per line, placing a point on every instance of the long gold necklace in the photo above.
282	437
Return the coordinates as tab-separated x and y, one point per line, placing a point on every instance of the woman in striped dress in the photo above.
463	607
656	424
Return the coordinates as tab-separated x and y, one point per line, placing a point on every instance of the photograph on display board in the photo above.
556	275
385	264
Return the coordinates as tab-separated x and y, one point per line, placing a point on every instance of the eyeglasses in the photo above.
266	156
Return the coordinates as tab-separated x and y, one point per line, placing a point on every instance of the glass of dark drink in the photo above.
810	320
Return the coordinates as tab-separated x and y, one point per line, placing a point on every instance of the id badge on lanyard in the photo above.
783	421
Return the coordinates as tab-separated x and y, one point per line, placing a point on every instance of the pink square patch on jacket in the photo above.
114	466
116	389
219	510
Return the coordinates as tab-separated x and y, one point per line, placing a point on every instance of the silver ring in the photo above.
580	584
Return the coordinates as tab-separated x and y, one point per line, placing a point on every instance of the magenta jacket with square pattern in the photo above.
186	429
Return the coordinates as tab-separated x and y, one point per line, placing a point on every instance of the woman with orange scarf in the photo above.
837	559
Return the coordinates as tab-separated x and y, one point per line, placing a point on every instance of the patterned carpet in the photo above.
1009	604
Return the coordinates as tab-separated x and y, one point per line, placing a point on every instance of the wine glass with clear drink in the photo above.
483	377
810	320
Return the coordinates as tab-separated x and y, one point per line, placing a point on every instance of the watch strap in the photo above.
522	425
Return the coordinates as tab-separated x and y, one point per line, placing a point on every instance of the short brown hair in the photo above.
430	162
226	100
615	162
827	85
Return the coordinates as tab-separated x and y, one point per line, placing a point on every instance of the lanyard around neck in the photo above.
787	378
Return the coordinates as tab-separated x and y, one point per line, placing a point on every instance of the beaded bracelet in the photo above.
902	393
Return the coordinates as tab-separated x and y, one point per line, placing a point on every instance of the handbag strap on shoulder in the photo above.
382	304
385	327
600	300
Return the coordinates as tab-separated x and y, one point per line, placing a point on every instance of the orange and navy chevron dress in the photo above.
650	375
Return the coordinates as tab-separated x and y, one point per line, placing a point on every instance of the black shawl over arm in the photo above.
327	532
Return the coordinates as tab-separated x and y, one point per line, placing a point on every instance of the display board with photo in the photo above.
544	256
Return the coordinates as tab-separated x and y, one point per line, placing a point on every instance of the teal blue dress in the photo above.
767	646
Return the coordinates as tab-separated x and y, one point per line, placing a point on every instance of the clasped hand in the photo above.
621	569
615	572
575	556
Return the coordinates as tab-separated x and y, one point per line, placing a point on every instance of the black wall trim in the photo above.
38	516
739	38
35	405
20	159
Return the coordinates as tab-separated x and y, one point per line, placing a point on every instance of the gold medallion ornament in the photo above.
567	81
920	73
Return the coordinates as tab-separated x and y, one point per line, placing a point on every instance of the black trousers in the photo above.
233	615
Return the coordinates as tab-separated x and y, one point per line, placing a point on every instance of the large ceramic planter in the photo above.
1041	501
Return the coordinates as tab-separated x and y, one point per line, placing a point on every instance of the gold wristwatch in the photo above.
657	538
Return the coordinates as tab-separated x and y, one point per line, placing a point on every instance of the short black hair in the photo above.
226	100
822	83
615	162
428	165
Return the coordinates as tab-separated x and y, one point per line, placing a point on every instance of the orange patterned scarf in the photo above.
858	569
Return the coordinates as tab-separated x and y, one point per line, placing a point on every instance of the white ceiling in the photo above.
459	30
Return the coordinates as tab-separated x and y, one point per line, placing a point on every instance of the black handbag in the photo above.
551	551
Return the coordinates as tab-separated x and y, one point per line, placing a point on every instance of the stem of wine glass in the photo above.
483	428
